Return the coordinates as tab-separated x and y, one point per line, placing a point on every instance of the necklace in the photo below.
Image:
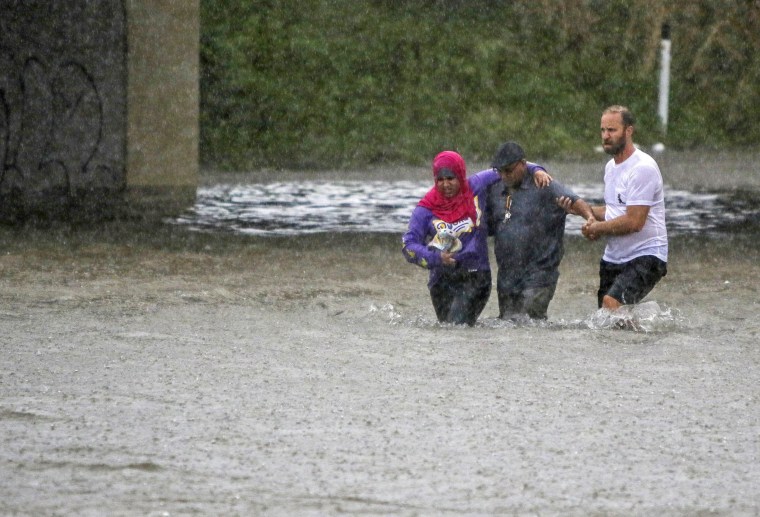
508	208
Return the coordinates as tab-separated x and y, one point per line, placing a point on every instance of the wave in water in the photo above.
294	208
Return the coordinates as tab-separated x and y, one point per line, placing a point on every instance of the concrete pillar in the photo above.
163	95
98	107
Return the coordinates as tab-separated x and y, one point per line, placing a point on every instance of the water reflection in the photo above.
293	208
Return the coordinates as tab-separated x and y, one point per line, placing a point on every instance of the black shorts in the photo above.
631	281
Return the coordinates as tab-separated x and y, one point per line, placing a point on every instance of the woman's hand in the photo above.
541	178
447	258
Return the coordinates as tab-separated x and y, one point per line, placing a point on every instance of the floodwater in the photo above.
233	363
382	202
300	207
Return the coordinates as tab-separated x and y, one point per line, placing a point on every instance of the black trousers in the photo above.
460	296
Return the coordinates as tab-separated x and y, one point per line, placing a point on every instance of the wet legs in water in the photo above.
460	298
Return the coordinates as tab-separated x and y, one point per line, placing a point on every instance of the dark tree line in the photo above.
325	83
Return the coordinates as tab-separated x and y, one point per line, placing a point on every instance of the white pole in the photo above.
662	109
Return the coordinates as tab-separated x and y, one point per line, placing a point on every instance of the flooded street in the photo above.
164	370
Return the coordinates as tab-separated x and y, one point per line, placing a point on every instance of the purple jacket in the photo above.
423	227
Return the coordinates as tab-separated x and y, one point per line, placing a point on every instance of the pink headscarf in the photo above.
458	207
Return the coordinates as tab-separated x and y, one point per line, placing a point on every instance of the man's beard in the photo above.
615	147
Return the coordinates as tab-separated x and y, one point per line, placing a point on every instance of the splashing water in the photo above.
643	317
387	312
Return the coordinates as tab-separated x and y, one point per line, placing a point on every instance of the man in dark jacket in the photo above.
528	225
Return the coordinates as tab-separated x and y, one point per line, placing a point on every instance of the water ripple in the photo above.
293	208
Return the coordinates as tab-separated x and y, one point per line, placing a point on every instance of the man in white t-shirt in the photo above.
633	218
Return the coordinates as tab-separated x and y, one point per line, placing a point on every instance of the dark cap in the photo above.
445	173
508	153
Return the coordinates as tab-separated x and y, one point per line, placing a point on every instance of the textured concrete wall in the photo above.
98	105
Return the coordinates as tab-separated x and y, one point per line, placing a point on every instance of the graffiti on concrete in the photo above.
51	123
62	104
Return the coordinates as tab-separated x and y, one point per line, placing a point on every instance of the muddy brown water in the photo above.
151	370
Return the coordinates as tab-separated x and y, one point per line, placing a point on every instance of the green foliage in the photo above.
323	83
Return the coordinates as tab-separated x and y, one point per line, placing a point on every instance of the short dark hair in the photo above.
625	113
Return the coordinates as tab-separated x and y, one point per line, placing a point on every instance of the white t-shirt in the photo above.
636	181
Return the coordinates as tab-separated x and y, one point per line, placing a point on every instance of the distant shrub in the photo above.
325	84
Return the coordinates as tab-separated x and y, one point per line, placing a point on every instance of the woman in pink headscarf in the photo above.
447	234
